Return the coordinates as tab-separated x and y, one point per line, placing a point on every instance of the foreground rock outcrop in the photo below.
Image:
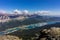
9	37
50	34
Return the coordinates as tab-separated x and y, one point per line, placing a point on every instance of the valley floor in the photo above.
45	34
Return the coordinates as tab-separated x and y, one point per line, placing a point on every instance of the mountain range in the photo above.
33	17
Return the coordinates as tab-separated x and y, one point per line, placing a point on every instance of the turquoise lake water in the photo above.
29	27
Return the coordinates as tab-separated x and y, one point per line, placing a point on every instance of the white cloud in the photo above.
17	11
25	12
42	12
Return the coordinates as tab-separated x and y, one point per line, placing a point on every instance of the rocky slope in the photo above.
9	37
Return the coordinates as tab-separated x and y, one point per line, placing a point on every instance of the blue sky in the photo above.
31	5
